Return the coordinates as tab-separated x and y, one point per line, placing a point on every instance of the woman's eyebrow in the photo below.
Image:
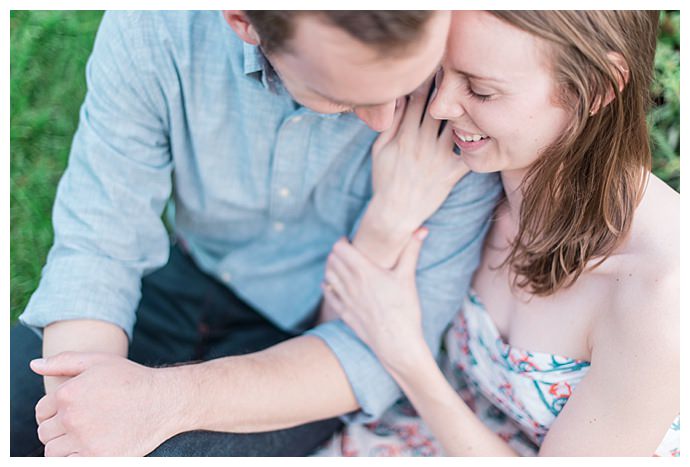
478	77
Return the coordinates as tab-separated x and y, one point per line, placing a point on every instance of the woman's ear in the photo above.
239	23
622	72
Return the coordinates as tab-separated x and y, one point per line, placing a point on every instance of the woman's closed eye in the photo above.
475	95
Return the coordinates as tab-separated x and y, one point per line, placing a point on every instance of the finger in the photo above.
340	269
339	308
445	139
335	284
386	136
407	264
415	108
351	257
50	429
430	126
447	149
61	447
333	300
66	363
45	408
460	169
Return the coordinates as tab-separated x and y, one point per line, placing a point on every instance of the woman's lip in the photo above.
469	145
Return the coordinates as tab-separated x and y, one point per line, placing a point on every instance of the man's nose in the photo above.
377	117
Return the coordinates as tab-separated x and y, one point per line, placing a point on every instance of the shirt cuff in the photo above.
77	286
373	387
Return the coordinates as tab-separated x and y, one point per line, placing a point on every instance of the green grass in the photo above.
48	54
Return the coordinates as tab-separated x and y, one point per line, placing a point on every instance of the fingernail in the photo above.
38	361
422	233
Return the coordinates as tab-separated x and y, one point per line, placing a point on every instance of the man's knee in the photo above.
26	388
298	441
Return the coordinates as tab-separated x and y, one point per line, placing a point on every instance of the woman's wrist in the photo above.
392	216
381	237
408	364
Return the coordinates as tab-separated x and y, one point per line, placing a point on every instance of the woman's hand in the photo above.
380	305
414	167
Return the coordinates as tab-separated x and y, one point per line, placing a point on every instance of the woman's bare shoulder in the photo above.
644	272
656	225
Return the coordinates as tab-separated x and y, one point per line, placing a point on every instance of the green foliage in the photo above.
48	53
664	118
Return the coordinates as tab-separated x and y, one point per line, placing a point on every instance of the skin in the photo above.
621	316
328	71
99	403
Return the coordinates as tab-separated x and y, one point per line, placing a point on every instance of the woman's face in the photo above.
495	84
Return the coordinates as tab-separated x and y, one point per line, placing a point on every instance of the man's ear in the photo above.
621	70
239	23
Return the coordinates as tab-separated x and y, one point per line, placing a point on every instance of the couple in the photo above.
559	275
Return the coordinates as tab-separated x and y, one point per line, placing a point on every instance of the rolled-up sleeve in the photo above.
106	216
449	257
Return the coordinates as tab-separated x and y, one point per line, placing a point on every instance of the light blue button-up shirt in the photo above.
178	107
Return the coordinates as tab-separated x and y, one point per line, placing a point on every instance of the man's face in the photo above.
328	71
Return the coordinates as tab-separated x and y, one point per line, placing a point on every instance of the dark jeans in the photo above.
184	315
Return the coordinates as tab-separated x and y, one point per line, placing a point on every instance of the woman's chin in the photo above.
479	164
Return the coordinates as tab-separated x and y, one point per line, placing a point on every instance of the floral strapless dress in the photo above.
516	393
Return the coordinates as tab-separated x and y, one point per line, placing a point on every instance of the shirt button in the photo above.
226	277
284	192
296	119
278	226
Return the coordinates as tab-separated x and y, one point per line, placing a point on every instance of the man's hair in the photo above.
386	31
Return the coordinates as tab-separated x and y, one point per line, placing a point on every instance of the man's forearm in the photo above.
292	383
82	336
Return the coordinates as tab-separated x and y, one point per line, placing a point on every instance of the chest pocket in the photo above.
338	209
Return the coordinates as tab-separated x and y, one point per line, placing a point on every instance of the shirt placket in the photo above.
287	174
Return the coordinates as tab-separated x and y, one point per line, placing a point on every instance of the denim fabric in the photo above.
185	315
179	108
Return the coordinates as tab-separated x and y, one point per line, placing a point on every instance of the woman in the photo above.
568	342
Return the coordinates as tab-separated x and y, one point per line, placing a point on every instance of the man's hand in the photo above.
81	335
110	406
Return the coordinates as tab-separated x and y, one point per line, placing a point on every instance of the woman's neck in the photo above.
512	183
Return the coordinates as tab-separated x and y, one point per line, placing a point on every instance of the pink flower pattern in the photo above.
516	393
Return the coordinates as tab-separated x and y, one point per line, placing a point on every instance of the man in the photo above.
261	133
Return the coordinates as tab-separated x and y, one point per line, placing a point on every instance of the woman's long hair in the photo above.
580	196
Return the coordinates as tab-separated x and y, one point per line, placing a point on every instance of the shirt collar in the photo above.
257	66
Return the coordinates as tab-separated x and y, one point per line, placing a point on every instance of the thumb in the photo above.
410	254
66	363
386	136
461	169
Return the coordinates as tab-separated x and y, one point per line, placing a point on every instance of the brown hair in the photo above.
386	31
580	195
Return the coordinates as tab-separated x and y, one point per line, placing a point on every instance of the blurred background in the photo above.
49	50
